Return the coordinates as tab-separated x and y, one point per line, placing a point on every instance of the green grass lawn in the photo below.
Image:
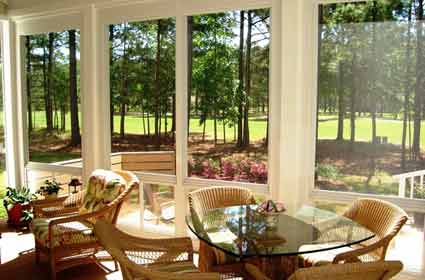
327	127
385	127
134	125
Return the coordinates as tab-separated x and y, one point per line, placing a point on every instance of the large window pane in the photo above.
228	98
53	96
370	98
142	67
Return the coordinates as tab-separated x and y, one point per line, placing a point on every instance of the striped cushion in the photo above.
63	234
104	186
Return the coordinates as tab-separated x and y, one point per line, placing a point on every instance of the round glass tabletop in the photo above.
243	232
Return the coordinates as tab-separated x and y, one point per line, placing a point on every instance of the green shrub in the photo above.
327	171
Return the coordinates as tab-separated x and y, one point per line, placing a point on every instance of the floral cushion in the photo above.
103	187
63	234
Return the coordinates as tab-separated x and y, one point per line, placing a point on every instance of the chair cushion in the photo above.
63	234
104	186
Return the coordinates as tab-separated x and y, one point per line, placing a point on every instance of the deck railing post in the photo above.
402	186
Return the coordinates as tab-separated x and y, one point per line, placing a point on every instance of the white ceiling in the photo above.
26	4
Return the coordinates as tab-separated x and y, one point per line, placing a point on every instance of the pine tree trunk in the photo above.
149	123
215	127
407	87
224	131
203	130
73	94
165	118
241	79
45	83
48	97
111	77
124	90
353	99
173	124
29	77
63	117
245	141
419	83
319	51
143	120
341	103
158	84
190	71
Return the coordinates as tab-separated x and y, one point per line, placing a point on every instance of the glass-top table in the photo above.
242	232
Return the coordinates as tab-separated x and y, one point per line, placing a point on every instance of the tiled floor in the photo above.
18	261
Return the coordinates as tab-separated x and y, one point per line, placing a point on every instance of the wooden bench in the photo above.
151	162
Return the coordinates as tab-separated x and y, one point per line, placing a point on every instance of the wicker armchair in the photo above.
382	218
202	200
150	259
381	270
63	229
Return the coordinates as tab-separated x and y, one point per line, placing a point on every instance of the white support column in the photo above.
275	99
96	137
181	122
297	140
12	106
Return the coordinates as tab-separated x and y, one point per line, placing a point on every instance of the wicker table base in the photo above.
275	267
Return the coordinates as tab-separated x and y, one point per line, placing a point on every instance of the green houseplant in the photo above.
50	189
18	205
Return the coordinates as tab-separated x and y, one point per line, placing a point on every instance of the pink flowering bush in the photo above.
230	169
258	172
210	170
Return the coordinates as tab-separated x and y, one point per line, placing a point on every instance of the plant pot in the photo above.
50	196
15	214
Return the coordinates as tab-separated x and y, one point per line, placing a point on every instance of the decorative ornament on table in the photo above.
271	210
74	184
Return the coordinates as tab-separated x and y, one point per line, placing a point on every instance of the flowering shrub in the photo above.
230	169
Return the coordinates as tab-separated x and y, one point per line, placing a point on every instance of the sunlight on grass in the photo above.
134	125
391	128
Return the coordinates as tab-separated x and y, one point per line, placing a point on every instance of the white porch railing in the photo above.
410	179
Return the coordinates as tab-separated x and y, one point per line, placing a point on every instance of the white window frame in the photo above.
55	21
111	13
284	176
408	204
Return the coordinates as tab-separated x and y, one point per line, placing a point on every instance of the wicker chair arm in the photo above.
59	212
355	254
183	244
157	275
65	205
39	205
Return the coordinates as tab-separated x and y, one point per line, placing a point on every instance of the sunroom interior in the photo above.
304	102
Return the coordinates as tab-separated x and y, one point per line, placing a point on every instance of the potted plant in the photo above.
18	205
50	189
